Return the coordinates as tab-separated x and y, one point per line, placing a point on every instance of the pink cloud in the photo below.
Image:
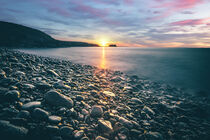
173	6
128	1
192	22
95	12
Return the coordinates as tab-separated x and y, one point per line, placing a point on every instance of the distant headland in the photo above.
18	36
112	45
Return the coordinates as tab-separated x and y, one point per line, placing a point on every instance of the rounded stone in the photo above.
13	95
96	111
40	114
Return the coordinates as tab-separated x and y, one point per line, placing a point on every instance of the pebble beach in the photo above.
52	99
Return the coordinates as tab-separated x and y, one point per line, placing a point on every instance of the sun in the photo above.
103	43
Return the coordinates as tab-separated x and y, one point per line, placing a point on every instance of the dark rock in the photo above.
13	95
148	110
23	114
53	73
43	86
40	114
57	99
66	131
96	111
79	98
154	136
125	122
136	100
12	132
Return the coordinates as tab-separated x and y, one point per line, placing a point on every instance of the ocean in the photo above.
187	68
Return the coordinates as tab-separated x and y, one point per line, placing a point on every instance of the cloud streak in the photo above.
191	22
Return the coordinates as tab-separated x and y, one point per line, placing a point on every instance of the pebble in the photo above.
136	100
154	136
96	111
66	131
101	138
57	99
31	105
23	114
54	119
109	94
148	110
13	95
79	134
105	126
125	122
40	114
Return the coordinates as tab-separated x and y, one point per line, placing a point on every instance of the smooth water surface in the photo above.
187	68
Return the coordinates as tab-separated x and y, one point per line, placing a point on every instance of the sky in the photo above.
141	23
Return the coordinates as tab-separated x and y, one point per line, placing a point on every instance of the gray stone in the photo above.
40	114
31	105
57	99
96	111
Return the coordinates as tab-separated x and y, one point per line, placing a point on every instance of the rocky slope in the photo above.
14	35
50	99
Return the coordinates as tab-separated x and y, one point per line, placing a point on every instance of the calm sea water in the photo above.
187	68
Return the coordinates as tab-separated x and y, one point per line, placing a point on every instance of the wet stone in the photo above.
40	114
148	110
11	132
66	131
79	134
100	138
125	122
13	95
57	99
154	136
31	105
96	111
54	119
109	94
23	114
136	100
105	126
79	98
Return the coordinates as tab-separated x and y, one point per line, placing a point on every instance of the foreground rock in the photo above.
11	132
57	99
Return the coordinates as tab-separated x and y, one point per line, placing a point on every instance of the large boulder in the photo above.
57	99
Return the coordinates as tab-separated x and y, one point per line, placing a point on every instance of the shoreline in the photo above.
48	98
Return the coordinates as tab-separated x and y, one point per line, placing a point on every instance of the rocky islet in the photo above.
53	99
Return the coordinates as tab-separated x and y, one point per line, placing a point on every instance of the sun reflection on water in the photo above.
103	59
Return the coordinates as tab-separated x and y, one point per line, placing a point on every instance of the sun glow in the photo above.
103	43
